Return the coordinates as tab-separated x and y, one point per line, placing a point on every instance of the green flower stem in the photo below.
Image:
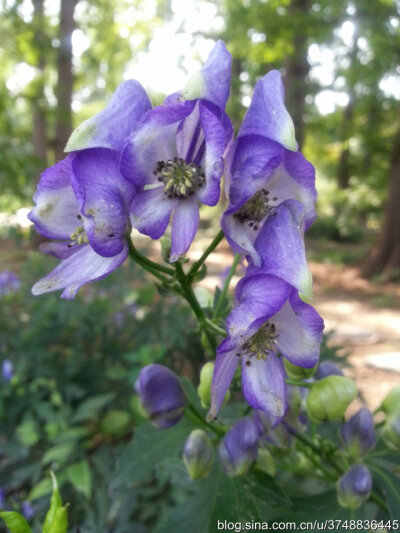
225	288
298	383
210	248
196	417
147	263
190	297
216	329
305	440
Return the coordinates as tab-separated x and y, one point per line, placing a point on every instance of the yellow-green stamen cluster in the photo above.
78	237
180	179
261	343
255	209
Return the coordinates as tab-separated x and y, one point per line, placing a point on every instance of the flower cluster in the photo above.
134	166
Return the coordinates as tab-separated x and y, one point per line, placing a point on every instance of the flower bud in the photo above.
358	433
161	395
204	388
27	510
7	370
327	368
198	454
391	403
354	487
238	450
391	431
329	398
265	462
298	372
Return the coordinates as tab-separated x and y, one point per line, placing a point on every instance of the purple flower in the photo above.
264	168
269	317
175	155
9	282
327	368
358	433
2	498
238	450
161	395
7	370
27	510
83	201
354	487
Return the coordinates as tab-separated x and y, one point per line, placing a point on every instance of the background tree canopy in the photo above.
61	61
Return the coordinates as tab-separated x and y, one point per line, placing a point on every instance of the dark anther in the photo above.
111	235
79	217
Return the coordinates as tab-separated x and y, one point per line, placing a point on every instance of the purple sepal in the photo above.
238	450
358	433
354	487
327	368
161	395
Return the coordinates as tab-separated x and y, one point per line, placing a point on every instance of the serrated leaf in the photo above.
148	448
80	476
89	408
15	522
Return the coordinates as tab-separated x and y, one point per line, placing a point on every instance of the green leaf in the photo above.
16	523
220	498
390	486
55	504
148	448
89	408
60	523
80	476
58	453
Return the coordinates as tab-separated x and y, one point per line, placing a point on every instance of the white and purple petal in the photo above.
267	114
80	268
56	210
280	244
111	127
299	328
104	197
154	139
185	222
150	212
212	82
263	383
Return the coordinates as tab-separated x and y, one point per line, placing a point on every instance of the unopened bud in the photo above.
327	368
391	403
265	462
204	388
7	370
358	433
238	450
298	372
329	398
391	431
161	395
198	454
354	487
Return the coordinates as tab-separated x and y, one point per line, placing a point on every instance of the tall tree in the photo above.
39	131
65	80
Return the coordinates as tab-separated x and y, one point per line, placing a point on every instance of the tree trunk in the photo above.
385	255
39	103
65	81
297	68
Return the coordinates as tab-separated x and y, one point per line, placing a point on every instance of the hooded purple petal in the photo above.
104	196
185	222
280	245
238	450
151	211
111	127
56	209
212	82
154	139
263	383
267	114
84	266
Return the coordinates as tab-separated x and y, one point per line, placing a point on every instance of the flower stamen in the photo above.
78	237
261	343
180	179
255	209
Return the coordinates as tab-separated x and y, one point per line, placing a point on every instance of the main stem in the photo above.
210	248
